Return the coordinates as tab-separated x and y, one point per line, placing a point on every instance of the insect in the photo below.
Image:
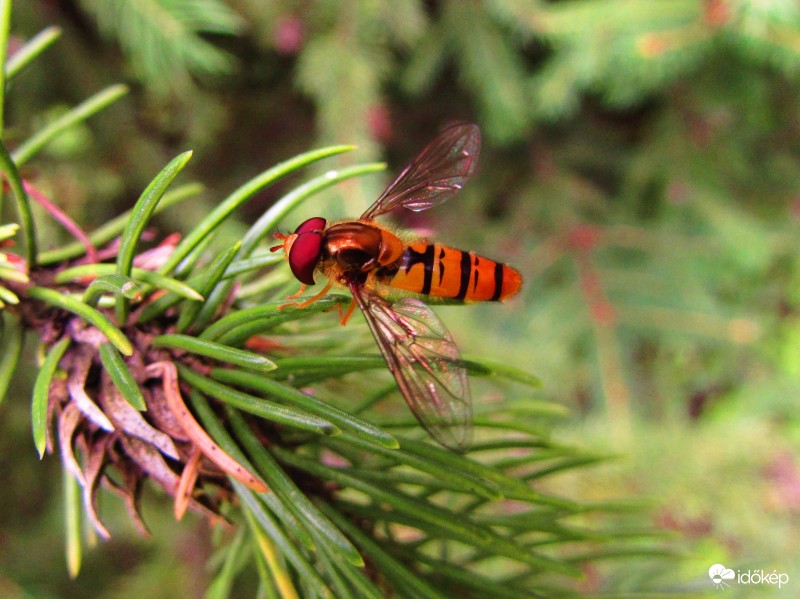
378	265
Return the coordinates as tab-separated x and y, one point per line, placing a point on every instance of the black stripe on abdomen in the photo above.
498	281
442	254
427	260
466	269
412	257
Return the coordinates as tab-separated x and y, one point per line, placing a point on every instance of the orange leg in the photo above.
344	318
297	293
307	302
317	297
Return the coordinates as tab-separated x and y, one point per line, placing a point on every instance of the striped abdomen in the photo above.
444	272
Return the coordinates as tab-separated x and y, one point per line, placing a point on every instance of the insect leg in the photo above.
317	297
344	318
297	293
307	302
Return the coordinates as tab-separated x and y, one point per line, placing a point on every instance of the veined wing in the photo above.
424	360
438	172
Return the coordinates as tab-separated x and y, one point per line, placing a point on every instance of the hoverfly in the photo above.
374	263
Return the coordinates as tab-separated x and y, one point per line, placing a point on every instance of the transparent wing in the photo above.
437	173
423	358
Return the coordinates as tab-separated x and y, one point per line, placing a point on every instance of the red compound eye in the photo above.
306	249
312	224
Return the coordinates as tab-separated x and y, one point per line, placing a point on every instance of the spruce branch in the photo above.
163	370
354	504
164	38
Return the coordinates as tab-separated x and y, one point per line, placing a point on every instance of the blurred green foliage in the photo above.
640	168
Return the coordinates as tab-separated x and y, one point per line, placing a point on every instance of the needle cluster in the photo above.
170	362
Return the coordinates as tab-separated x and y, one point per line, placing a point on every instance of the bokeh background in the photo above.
640	167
